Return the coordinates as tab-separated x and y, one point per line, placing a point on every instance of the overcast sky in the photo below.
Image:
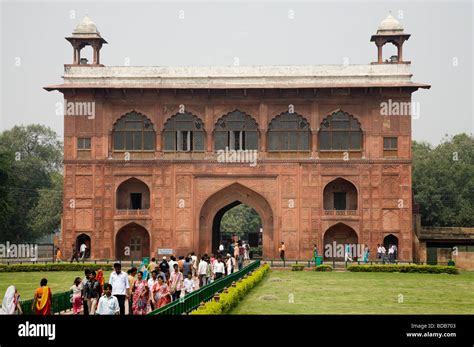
33	48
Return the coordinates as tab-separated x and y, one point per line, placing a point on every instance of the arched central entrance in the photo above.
222	201
132	242
237	221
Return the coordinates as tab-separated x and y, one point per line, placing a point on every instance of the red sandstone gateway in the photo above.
142	147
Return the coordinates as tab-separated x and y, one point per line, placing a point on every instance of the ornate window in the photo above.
236	130
340	132
133	132
289	132
184	132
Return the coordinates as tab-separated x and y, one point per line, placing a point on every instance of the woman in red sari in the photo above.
140	294
43	299
161	294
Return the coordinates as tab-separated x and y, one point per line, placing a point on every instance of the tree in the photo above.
240	220
443	181
37	157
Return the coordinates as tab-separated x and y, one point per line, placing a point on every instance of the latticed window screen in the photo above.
340	132
184	132
133	132
289	132
236	130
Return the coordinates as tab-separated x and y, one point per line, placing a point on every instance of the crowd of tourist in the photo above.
139	290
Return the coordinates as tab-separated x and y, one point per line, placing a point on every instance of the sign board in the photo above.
165	251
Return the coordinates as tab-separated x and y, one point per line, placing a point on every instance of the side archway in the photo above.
132	242
335	239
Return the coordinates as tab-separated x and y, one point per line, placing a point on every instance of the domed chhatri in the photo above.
390	26
86	27
86	34
390	31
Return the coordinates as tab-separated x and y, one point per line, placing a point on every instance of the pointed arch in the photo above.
226	198
340	194
132	242
132	194
336	237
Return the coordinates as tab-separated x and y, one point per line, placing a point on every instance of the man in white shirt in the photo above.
120	286
82	250
194	260
391	253
219	268
108	304
171	263
202	271
230	264
188	284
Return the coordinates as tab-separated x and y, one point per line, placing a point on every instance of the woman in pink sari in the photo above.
140	293
161	294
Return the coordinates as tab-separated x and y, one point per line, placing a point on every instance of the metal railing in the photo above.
60	302
192	301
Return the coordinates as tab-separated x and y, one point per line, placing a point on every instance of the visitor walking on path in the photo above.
219	268
347	253
74	253
202	272
366	254
153	279
230	264
140	295
11	302
188	284
87	273
281	250
120	286
108	304
165	268
76	296
160	293
176	283
83	250
92	293
240	259
43	299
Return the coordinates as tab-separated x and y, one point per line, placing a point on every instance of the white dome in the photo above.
86	26
390	24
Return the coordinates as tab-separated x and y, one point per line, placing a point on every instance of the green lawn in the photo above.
309	292
27	282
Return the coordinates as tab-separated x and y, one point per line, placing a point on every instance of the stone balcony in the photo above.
338	214
132	214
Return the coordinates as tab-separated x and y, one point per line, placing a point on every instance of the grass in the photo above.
309	292
27	282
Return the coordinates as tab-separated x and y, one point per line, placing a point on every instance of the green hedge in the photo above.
297	267
54	267
323	268
230	299
432	269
